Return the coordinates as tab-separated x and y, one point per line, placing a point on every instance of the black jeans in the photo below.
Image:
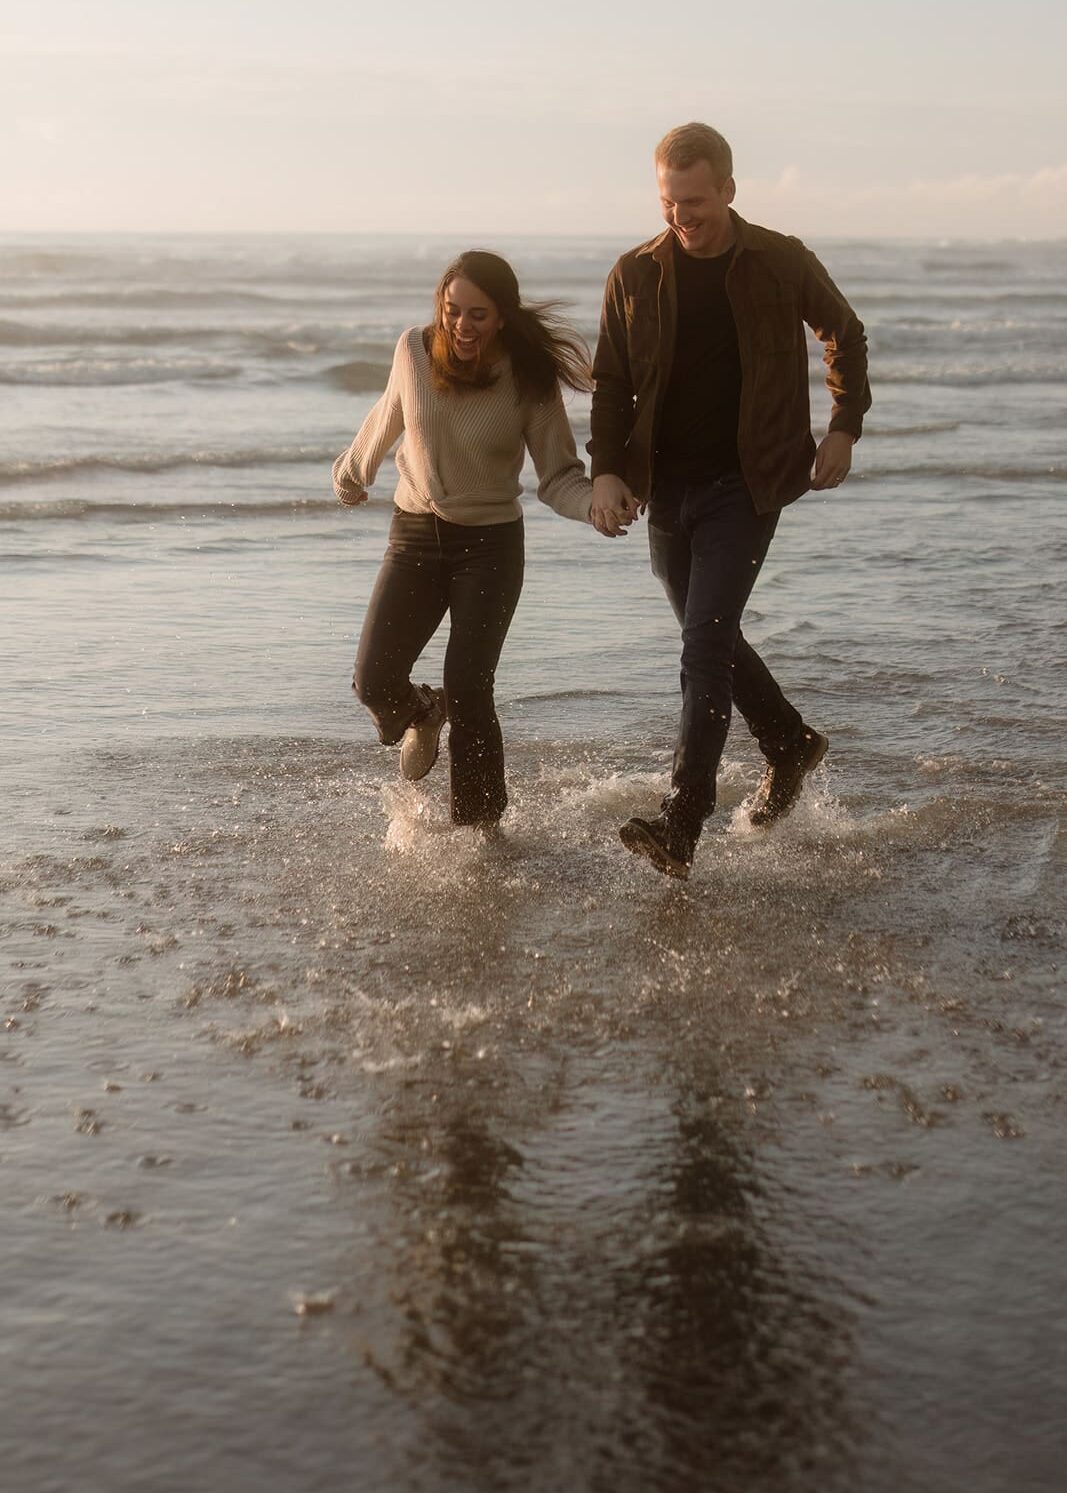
473	572
707	544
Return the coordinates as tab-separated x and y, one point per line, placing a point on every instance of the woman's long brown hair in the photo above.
543	347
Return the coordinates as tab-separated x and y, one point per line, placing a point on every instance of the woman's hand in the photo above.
614	506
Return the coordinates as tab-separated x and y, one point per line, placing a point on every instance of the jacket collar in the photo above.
659	248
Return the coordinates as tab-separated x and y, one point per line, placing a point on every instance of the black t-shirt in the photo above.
698	420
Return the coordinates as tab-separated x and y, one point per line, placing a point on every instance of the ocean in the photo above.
344	1149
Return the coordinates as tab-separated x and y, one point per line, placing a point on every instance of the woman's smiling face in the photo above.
471	319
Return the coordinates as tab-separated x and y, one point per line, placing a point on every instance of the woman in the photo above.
469	394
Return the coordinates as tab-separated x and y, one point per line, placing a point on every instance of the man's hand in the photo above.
349	496
832	460
614	506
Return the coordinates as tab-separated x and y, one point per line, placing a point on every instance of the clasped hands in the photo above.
614	506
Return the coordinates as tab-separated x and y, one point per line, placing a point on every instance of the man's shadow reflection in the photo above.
738	1355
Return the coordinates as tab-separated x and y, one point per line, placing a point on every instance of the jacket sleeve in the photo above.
549	439
612	413
355	469
840	330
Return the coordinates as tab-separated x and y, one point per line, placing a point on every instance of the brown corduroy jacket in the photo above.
775	285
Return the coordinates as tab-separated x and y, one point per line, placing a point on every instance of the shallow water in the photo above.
343	1148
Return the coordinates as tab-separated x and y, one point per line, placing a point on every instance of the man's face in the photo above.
696	208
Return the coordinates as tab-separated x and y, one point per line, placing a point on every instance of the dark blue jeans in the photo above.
474	573
707	544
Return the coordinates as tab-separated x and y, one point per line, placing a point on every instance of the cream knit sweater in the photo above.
463	449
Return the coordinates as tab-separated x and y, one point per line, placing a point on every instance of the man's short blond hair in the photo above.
684	146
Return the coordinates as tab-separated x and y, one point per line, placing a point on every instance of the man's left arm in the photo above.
844	341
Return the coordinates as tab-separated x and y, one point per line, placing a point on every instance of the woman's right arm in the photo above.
355	469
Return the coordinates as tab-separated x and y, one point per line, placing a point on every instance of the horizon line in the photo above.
417	234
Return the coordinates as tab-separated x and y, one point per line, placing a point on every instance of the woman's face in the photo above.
472	320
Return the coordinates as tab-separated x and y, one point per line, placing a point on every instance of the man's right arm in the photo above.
611	418
612	414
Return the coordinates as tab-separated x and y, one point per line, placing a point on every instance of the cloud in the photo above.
45	130
1000	204
1051	181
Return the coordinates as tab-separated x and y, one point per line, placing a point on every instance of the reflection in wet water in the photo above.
602	1183
739	1358
580	1279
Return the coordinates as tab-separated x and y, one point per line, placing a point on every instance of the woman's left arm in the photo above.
549	438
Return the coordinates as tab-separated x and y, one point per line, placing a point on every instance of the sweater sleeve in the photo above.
356	468
549	438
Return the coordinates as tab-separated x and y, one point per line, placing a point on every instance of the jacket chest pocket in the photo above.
642	329
775	319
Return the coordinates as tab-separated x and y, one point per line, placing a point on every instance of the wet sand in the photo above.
440	1165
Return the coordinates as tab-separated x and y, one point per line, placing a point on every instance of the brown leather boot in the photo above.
664	841
783	780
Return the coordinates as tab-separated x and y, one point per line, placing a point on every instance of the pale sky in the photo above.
913	117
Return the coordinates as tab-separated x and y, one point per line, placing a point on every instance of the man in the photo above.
700	413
